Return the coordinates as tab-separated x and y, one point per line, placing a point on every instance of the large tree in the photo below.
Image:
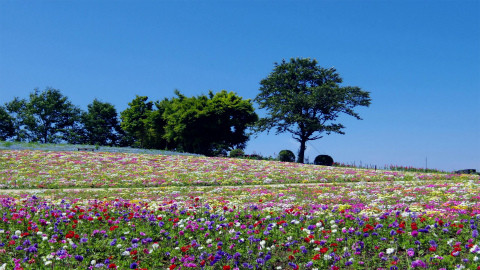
135	120
7	128
304	99
100	124
209	125
49	117
16	109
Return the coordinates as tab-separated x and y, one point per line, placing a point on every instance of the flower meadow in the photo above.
220	213
50	169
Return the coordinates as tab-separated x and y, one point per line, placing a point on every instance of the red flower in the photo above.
324	250
414	226
172	266
291	257
112	265
306	239
226	267
432	249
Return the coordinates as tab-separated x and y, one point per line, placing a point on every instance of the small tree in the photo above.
305	99
325	160
235	153
286	156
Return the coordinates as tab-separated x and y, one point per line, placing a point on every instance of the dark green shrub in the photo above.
236	153
286	156
325	160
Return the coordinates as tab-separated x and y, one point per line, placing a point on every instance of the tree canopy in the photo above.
134	119
304	99
100	124
209	125
7	128
46	117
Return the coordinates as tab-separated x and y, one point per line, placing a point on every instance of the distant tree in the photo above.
100	124
210	125
16	110
305	100
49	117
325	160
135	120
286	156
7	128
154	126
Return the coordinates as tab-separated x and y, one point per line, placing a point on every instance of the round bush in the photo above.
236	153
286	156
325	160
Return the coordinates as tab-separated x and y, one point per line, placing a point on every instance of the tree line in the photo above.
207	124
299	97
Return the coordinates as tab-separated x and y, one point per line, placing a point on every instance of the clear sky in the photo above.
419	59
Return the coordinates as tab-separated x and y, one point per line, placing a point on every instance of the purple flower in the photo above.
474	233
133	265
419	263
79	258
410	252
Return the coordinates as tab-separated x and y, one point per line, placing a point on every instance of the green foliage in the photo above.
7	128
47	117
210	125
236	153
286	156
325	160
100	124
305	100
16	109
134	120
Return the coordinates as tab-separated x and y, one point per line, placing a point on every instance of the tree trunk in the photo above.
301	152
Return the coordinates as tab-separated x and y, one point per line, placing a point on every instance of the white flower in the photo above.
3	265
155	246
475	259
93	262
119	245
390	250
125	253
44	238
209	241
18	233
48	262
327	257
2	231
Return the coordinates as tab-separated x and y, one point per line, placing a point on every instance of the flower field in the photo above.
185	212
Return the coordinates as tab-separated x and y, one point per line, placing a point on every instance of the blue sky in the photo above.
419	59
